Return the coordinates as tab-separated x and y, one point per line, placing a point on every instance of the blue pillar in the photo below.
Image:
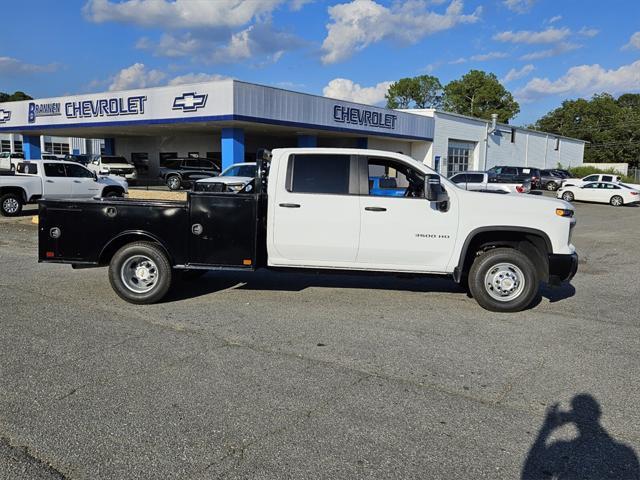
362	142
232	146
31	147
109	146
307	141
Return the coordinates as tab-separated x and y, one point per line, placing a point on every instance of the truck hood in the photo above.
518	202
109	166
115	180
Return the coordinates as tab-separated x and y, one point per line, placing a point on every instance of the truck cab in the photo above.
315	209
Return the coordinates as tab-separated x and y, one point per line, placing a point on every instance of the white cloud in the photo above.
559	49
489	56
136	76
555	19
588	32
519	6
345	89
197	78
359	23
584	80
458	61
13	66
180	13
634	42
517	74
550	35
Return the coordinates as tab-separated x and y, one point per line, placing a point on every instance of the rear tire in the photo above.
10	205
616	201
568	197
173	182
552	186
140	273
503	280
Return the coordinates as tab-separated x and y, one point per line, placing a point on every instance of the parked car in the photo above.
36	179
319	215
114	165
232	179
182	172
551	179
616	194
508	174
562	172
9	160
483	181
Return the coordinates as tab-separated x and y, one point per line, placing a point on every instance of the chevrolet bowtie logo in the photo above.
5	116
190	102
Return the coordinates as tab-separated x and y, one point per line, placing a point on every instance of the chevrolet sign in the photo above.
366	118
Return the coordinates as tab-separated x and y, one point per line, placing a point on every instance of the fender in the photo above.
143	235
457	272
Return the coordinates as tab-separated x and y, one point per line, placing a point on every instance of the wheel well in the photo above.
16	190
120	241
112	188
535	245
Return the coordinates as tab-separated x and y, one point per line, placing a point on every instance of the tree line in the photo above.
610	125
14	97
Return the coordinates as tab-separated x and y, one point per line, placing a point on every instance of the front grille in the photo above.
121	171
209	187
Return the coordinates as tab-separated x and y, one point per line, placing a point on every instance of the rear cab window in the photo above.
318	173
29	168
54	170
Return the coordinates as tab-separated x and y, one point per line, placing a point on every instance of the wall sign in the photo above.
361	116
190	102
5	116
109	107
43	110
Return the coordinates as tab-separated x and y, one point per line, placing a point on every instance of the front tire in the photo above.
113	194
140	273
552	186
10	205
568	197
503	280
616	201
173	182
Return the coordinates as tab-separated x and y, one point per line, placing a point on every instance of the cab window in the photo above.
312	173
591	178
408	181
607	178
54	170
76	171
30	168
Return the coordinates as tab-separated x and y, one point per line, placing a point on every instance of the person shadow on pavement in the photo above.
593	454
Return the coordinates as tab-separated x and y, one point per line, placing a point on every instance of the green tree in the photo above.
14	97
424	91
610	125
479	94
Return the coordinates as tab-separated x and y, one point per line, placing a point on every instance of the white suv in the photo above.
114	165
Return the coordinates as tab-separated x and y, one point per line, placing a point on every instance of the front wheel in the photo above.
10	205
140	273
503	280
173	182
568	197
552	186
113	194
616	201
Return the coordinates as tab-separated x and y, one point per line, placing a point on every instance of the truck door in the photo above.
404	233
55	183
316	213
83	184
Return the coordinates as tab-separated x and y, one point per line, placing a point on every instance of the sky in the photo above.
543	51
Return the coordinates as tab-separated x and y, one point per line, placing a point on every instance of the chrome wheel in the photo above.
616	201
10	205
504	282
139	274
567	196
552	187
173	183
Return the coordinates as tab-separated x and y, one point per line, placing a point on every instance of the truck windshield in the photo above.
240	171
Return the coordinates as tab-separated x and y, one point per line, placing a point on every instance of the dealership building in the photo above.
229	120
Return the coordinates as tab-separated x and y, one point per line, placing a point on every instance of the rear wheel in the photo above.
616	201
503	280
140	273
568	197
10	205
552	186
173	182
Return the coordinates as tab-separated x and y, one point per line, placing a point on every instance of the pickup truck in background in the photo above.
483	182
9	160
36	179
114	165
312	209
599	177
231	179
507	174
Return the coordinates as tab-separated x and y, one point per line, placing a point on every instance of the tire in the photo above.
616	201
552	186
568	197
10	205
140	273
113	194
174	182
507	269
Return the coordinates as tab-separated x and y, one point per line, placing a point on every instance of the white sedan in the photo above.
616	194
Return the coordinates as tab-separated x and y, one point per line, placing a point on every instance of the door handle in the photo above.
49	181
375	209
290	205
76	181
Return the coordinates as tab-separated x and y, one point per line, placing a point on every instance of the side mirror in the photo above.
432	187
104	171
95	176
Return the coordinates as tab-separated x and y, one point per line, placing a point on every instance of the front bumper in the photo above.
562	268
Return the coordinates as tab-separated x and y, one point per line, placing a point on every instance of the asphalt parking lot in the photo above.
302	376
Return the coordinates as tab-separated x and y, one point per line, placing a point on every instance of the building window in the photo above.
458	156
5	146
17	146
164	156
56	148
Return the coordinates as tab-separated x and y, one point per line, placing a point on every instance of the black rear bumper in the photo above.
562	267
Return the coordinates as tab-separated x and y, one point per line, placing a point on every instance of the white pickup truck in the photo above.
38	179
313	209
596	177
481	182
